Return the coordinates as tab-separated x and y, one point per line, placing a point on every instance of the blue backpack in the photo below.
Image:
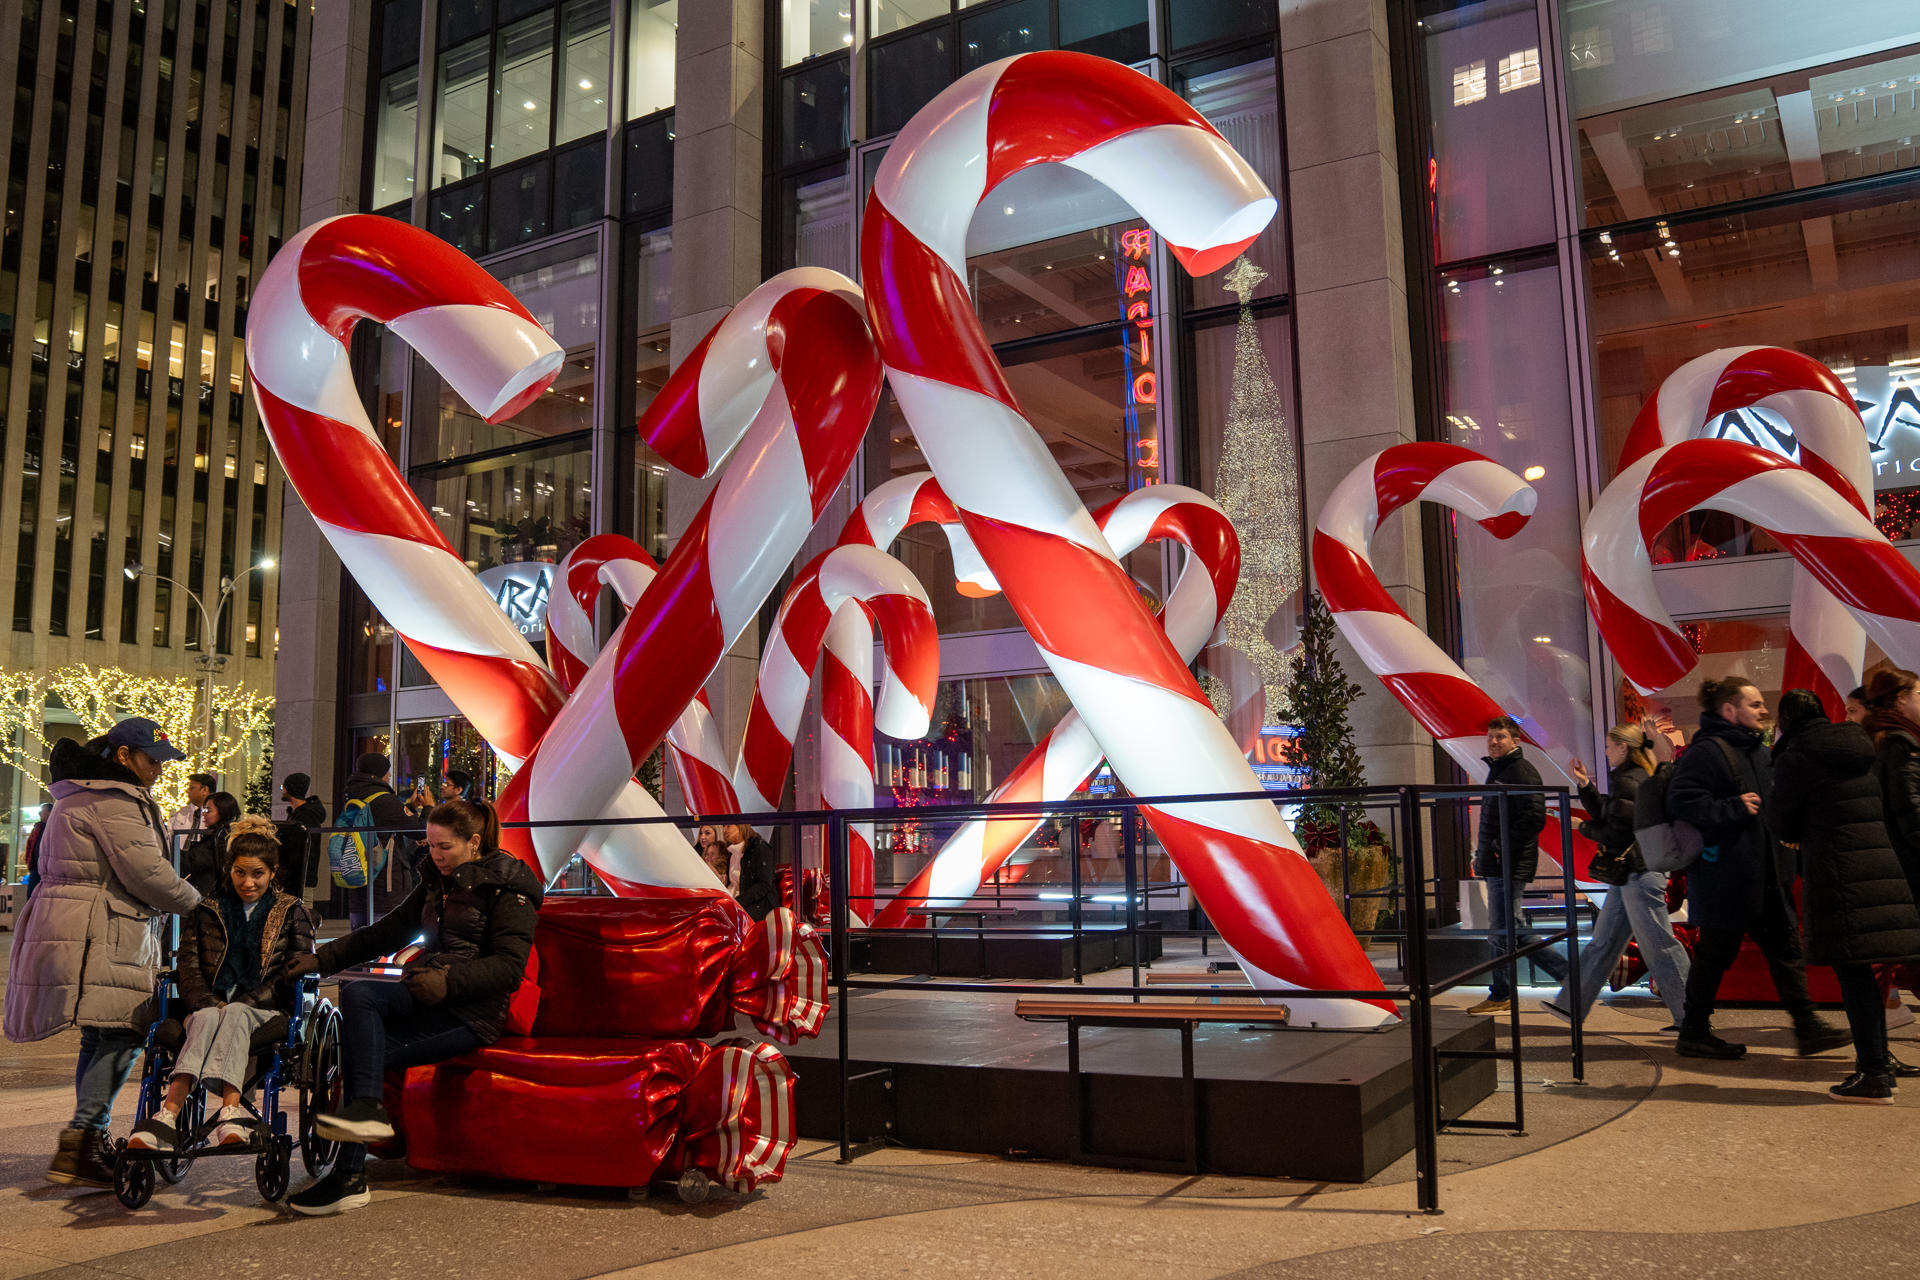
357	858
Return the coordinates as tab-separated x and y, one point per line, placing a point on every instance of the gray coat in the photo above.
84	953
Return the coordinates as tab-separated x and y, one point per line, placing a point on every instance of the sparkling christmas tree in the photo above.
1258	485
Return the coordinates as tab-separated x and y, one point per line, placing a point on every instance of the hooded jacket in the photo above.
476	923
1526	819
1827	800
83	953
203	949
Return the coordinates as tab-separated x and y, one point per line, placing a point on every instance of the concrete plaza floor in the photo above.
1657	1166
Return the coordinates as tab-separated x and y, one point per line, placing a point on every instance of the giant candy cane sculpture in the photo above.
1825	643
1059	573
790	376
1443	698
1826	534
328	277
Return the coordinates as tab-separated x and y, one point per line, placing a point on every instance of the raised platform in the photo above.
961	951
964	1074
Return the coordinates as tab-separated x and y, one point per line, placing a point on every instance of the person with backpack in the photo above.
1507	859
1636	905
357	858
473	913
1737	886
1859	906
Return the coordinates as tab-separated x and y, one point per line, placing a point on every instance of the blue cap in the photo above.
143	734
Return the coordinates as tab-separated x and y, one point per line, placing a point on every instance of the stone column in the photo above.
1350	306
307	671
719	103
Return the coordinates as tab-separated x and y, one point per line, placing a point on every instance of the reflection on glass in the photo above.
426	751
1114	29
820	222
650	37
459	217
649	496
886	16
393	151
369	642
650	164
586	52
1065	282
906	74
1241	99
1002	32
654	263
523	89
517	206
812	28
814	115
533	505
579	178
460	124
1523	616
1489	118
1198	22
1825	276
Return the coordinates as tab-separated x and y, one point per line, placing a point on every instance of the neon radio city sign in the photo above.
1133	267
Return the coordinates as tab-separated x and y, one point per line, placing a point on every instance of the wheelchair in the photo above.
300	1051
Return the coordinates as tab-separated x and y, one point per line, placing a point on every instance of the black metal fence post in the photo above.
837	864
1426	1084
1134	940
1575	996
1510	930
1073	907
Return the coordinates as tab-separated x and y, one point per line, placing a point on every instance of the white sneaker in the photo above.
235	1128
1898	1015
158	1132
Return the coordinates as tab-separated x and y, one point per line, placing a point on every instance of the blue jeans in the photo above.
106	1060
382	1026
1638	910
1500	918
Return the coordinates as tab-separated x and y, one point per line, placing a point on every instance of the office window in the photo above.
523	90
393	149
650	56
586	53
460	125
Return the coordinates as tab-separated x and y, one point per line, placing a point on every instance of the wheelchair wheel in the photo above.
322	1083
192	1113
273	1169
132	1180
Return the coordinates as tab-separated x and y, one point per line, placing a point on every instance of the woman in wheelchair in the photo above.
472	913
234	973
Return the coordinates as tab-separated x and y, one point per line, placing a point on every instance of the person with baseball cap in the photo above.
83	953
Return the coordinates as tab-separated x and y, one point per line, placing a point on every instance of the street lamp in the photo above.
208	659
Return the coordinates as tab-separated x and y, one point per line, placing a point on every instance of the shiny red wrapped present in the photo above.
602	1112
676	968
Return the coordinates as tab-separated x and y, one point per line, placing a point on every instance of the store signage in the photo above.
1888	397
1276	758
1133	268
522	591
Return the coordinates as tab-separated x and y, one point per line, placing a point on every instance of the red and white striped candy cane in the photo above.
1062	579
885	513
791	374
470	328
1429	684
1061	763
864	578
1826	646
1826	534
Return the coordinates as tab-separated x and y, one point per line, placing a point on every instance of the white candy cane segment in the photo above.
846	743
1058	573
906	500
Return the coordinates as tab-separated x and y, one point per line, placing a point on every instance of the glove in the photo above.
428	986
302	963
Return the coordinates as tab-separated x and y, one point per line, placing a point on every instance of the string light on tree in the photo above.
1257	484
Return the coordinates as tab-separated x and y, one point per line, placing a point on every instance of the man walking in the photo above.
1516	851
1738	885
187	820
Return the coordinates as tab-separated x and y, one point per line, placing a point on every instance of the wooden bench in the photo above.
1165	1015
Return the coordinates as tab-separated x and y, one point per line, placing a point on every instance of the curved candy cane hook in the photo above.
1825	533
1826	645
1058	572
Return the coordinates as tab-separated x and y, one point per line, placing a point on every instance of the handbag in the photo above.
1611	866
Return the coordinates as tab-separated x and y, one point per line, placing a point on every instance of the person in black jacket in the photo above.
750	871
305	815
369	784
235	948
1892	699
1636	906
1738	885
473	912
202	861
1859	908
1508	859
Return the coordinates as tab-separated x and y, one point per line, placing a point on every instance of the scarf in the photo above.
733	867
1880	723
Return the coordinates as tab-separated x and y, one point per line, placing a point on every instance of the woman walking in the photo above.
1636	905
1859	908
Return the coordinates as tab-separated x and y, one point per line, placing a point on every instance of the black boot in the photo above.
1817	1036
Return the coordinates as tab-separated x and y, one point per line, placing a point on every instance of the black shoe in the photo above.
335	1193
362	1120
79	1162
1901	1070
1819	1037
1861	1087
1708	1045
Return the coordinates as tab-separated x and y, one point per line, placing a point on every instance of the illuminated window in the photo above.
1470	83
1517	70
